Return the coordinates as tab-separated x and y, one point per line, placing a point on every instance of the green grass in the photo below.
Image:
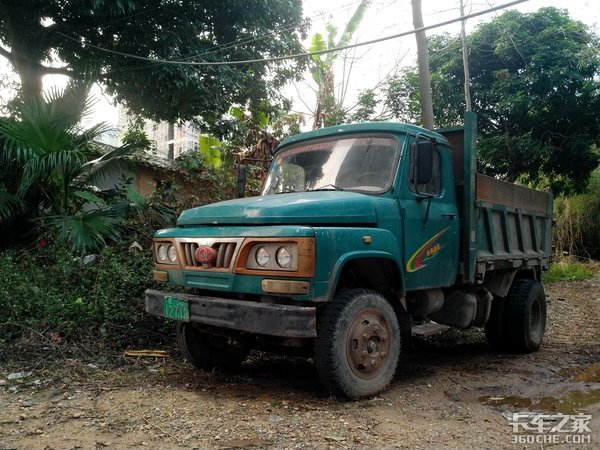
568	270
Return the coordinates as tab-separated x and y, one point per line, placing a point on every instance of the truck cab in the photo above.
364	235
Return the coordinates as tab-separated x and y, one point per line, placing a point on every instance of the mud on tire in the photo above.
525	316
517	322
358	344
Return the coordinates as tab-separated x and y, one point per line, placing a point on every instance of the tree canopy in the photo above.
74	38
535	86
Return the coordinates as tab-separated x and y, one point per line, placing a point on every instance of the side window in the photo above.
434	187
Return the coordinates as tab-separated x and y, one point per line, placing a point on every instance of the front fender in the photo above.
338	246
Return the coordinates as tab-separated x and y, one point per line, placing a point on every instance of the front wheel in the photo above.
358	344
206	351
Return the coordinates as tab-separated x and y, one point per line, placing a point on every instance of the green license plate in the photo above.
176	308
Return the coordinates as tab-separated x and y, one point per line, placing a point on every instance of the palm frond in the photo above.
97	170
63	163
90	197
11	207
71	104
85	232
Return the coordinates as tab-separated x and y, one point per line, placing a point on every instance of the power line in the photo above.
300	55
249	40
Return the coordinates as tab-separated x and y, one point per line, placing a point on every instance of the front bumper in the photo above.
254	317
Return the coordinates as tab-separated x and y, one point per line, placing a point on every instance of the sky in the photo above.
365	67
388	17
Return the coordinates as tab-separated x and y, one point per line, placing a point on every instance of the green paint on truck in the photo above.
365	235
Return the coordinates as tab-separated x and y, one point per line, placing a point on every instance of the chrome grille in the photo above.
225	253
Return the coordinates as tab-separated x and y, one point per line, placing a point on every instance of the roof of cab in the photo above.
364	127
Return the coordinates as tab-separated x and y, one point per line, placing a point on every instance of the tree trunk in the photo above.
31	76
26	50
423	63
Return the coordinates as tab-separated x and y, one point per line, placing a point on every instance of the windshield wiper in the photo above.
287	191
327	187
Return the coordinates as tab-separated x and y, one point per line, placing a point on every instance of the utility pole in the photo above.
423	63
463	38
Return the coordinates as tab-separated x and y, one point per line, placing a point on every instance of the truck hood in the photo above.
300	208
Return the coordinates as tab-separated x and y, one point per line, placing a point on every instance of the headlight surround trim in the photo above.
302	250
166	253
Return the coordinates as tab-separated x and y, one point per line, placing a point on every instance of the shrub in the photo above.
96	300
577	230
567	269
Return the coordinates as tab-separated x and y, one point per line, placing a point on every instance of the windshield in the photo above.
365	164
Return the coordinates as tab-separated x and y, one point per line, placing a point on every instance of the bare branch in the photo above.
6	54
311	110
56	70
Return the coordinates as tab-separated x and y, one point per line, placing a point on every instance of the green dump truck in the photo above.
364	235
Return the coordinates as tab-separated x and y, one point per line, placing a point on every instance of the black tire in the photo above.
494	327
206	351
358	344
525	316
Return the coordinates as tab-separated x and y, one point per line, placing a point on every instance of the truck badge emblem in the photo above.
205	254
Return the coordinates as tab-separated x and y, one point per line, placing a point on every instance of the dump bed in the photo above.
503	225
513	225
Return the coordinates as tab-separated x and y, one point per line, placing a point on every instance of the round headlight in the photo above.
172	254
161	253
262	257
284	257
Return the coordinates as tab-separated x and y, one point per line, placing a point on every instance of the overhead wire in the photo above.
236	43
233	44
297	55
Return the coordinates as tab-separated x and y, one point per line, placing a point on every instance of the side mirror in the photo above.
241	181
424	162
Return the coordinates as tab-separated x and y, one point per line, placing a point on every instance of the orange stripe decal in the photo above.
426	251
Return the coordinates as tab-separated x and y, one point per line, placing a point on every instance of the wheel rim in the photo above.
535	319
368	343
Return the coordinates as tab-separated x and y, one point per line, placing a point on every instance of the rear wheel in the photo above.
358	344
494	327
206	351
525	316
517	322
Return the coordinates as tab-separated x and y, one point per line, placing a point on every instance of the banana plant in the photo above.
210	149
322	64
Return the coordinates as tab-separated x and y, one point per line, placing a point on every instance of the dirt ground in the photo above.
452	392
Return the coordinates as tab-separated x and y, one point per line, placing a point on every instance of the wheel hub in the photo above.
367	343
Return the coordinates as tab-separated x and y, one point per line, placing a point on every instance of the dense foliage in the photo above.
38	36
51	168
49	295
577	230
535	85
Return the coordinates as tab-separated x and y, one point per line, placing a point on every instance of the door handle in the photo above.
449	215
